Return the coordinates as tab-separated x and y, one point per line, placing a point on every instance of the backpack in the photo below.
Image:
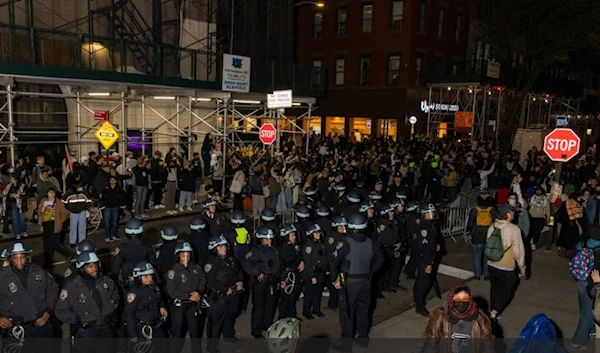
494	249
484	217
581	264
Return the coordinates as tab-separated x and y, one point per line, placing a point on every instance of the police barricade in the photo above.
454	223
469	198
285	217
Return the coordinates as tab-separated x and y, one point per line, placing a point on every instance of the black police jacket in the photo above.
142	307
128	254
199	242
77	303
166	257
215	223
315	258
344	251
325	224
24	303
222	273
262	259
291	256
333	242
388	233
182	281
426	243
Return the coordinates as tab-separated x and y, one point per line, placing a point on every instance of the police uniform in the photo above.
358	258
215	223
315	266
127	255
388	238
340	203
240	238
332	243
182	281
426	244
325	224
291	257
199	241
25	296
143	317
265	260
166	258
222	274
413	224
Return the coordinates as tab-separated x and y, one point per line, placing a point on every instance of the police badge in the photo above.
12	287
308	250
171	274
207	268
38	278
339	245
130	298
63	295
117	251
248	255
330	241
82	298
68	272
105	285
424	232
183	278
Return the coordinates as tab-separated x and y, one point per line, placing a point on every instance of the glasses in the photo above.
461	300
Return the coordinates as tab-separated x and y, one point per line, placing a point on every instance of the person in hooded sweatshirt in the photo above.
460	326
199	238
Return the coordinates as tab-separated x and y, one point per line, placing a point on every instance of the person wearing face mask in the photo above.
77	201
459	326
539	210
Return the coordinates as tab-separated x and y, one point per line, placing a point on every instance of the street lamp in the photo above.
314	3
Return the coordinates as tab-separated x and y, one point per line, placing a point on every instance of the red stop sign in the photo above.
267	134
562	144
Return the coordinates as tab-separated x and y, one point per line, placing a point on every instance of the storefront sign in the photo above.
427	107
236	73
412	120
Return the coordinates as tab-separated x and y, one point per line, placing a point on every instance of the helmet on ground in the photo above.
267	215
357	221
339	221
375	195
168	232
322	211
287	230
283	335
238	218
339	187
85	245
215	241
19	248
143	268
183	247
310	191
88	257
428	208
412	206
365	205
134	227
264	232
385	208
402	194
353	196
197	223
302	211
208	202
312	229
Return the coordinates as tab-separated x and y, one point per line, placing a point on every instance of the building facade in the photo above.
372	54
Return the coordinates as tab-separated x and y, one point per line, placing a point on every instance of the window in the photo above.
397	15
340	66
367	18
341	21
418	66
423	17
318	25
458	27
364	70
317	72
393	69
442	19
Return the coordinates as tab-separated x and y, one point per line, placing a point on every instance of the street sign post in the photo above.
267	134
107	135
561	145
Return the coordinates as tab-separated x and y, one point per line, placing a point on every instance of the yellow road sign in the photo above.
107	135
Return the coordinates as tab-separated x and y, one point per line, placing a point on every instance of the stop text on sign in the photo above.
556	144
267	134
562	144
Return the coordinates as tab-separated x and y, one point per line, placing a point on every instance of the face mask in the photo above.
79	189
461	307
512	202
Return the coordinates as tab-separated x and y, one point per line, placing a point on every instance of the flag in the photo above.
69	163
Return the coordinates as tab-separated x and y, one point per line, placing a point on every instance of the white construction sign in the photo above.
236	73
280	99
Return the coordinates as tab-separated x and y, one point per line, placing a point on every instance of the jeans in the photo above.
206	160
289	201
140	199
52	243
78	225
585	326
480	261
450	192
111	222
18	220
467	184
274	201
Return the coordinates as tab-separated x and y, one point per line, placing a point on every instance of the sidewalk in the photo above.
550	291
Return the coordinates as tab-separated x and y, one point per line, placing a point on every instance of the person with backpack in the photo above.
480	219
504	247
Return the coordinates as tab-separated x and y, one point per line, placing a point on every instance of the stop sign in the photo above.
267	134
561	145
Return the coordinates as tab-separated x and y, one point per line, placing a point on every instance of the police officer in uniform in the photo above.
355	262
85	245
28	294
165	255
388	238
263	265
133	251
88	303
267	218
303	217
199	238
215	222
311	196
224	279
145	311
292	265
398	205
376	197
367	208
186	283
240	238
426	251
340	200
323	220
315	268
353	205
4	259
332	242
413	222
360	188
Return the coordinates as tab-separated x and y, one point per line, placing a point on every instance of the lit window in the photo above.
367	18
441	21
318	20
365	68
423	17
340	67
341	21
393	69
397	15
317	72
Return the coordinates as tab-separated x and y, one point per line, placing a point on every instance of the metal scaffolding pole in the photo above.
143	125
429	112
308	126
78	127
11	124
123	133
190	128
474	113
224	145
177	122
498	113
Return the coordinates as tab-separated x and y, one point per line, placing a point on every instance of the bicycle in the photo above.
94	218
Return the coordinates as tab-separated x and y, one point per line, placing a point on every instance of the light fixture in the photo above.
296	104
98	94
449	88
242	101
314	3
470	91
489	93
589	131
202	99
533	99
164	97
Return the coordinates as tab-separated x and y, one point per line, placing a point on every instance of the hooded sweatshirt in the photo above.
513	246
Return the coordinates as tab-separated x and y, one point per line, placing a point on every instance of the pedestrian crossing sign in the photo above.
107	135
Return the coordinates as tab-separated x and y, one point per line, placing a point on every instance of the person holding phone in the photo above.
52	214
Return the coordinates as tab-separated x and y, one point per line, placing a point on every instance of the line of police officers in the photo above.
184	282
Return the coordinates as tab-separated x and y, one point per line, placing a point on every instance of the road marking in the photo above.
455	272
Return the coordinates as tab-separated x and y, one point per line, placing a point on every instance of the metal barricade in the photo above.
285	217
454	223
469	198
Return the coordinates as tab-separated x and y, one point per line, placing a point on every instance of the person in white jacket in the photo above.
288	184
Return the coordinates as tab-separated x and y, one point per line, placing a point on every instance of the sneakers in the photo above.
143	215
156	207
161	206
25	235
109	240
189	208
180	209
116	237
533	247
18	237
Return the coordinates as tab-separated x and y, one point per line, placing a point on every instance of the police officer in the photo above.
426	251
85	245
340	200
310	193
360	188
267	218
303	217
358	258
88	303
332	242
224	279
27	296
145	311
215	222
375	196
413	222
4	262
165	255
133	251
353	205
315	268
262	263
389	239
240	238
199	238
398	205
368	209
292	265
323	220
186	283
